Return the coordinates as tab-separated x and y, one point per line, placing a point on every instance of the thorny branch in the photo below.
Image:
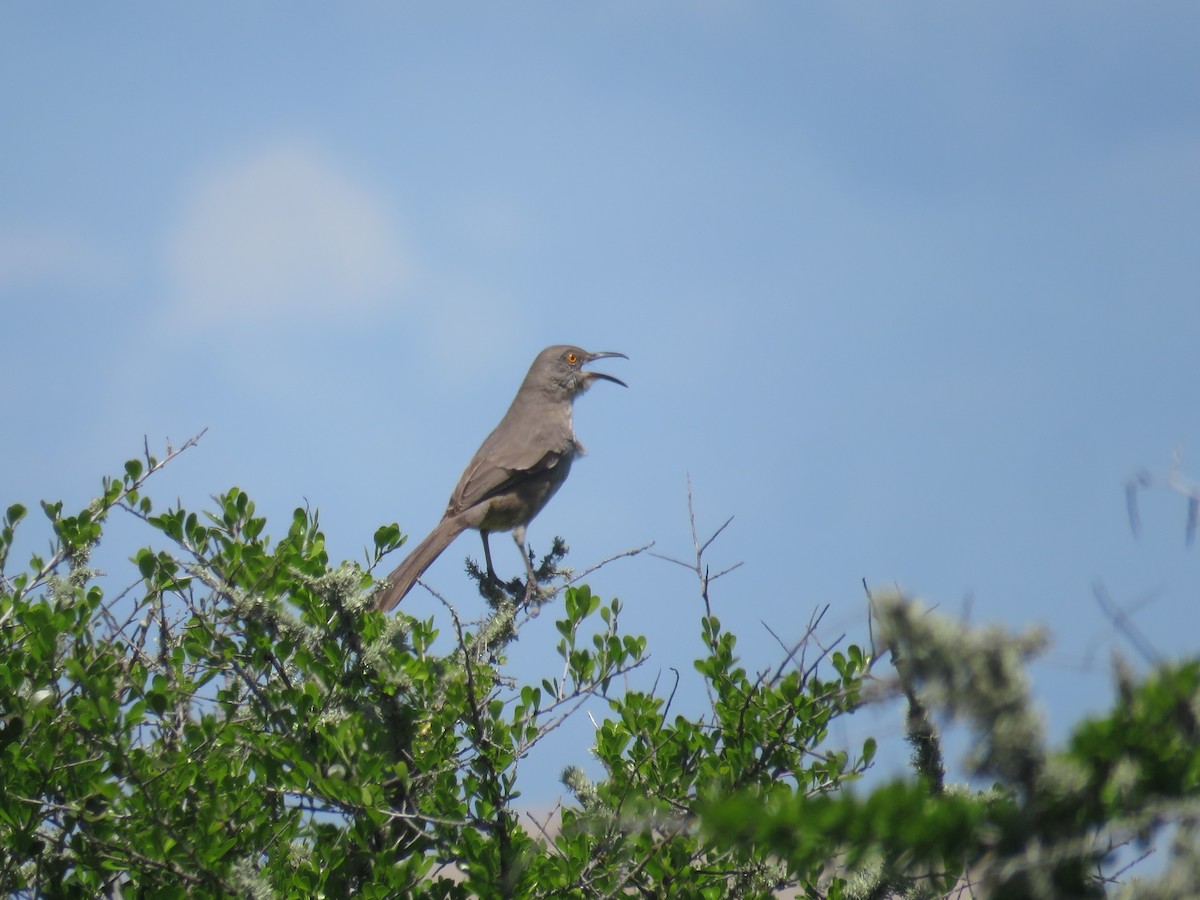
699	567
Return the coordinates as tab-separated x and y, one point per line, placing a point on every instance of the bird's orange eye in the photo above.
572	358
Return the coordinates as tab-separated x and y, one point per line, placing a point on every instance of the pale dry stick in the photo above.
870	619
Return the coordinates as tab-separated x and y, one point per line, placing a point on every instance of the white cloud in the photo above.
33	257
281	232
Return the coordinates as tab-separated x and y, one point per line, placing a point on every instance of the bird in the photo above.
516	470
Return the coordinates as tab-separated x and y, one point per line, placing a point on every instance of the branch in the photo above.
699	567
1174	480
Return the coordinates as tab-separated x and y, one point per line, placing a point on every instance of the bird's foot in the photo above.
531	591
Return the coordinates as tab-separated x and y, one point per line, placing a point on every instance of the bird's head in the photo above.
559	369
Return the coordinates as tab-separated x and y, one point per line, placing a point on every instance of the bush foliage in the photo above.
240	721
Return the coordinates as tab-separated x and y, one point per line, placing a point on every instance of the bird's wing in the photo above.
509	456
487	476
480	483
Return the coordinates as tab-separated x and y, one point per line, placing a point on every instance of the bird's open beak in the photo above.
589	377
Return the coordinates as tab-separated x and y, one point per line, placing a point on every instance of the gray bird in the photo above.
516	471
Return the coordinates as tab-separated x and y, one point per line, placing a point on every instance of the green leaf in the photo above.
146	561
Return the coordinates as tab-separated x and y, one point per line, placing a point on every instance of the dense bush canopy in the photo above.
241	721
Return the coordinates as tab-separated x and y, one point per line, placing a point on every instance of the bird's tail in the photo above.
400	582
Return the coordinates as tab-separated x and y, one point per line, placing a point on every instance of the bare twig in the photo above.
1174	480
1124	624
152	465
800	646
699	567
531	610
542	829
632	551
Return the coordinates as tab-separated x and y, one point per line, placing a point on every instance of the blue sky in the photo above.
910	291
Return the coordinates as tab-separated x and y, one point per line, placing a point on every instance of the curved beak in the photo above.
589	377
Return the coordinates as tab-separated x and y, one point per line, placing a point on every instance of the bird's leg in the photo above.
531	584
487	556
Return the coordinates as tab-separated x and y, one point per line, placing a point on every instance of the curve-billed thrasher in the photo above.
516	471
